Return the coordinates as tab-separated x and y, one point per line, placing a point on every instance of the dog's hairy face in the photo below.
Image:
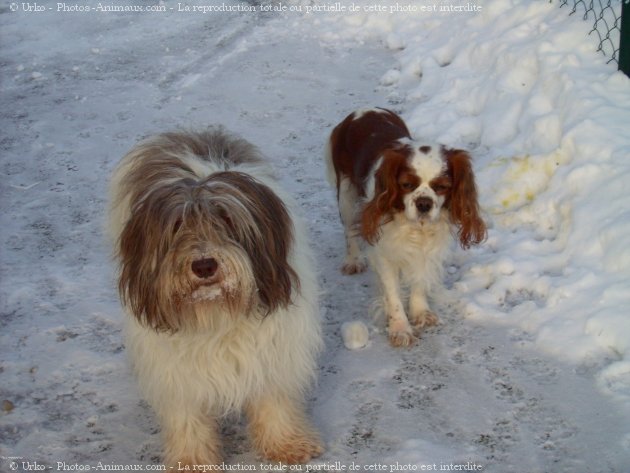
191	249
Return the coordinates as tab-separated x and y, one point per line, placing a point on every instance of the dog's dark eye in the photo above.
228	221
177	225
441	187
223	215
407	186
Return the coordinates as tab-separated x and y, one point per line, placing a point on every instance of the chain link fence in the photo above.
611	24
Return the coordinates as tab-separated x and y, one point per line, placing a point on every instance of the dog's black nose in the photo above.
424	204
205	268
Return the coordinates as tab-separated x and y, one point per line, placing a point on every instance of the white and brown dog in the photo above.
405	198
217	277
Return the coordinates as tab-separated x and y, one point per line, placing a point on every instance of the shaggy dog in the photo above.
216	275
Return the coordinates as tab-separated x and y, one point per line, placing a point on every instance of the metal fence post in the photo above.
624	38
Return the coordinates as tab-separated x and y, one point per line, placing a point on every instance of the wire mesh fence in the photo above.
611	24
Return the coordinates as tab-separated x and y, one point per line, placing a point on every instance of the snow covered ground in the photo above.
529	370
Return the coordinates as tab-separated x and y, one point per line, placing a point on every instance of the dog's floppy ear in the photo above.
142	243
265	232
387	196
462	202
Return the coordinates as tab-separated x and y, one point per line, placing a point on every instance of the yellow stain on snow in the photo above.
525	178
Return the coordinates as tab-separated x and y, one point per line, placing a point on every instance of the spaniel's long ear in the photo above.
462	202
387	196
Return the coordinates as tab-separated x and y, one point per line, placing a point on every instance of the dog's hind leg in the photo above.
348	197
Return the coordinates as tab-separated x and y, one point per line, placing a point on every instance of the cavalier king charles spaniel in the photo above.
216	275
404	198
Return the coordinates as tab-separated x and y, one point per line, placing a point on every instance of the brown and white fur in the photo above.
405	199
216	275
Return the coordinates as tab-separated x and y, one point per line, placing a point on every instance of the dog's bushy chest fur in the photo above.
414	245
224	365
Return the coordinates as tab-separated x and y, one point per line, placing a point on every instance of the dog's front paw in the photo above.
353	266
300	450
400	339
192	442
423	320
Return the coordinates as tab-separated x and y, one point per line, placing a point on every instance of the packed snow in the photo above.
529	370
